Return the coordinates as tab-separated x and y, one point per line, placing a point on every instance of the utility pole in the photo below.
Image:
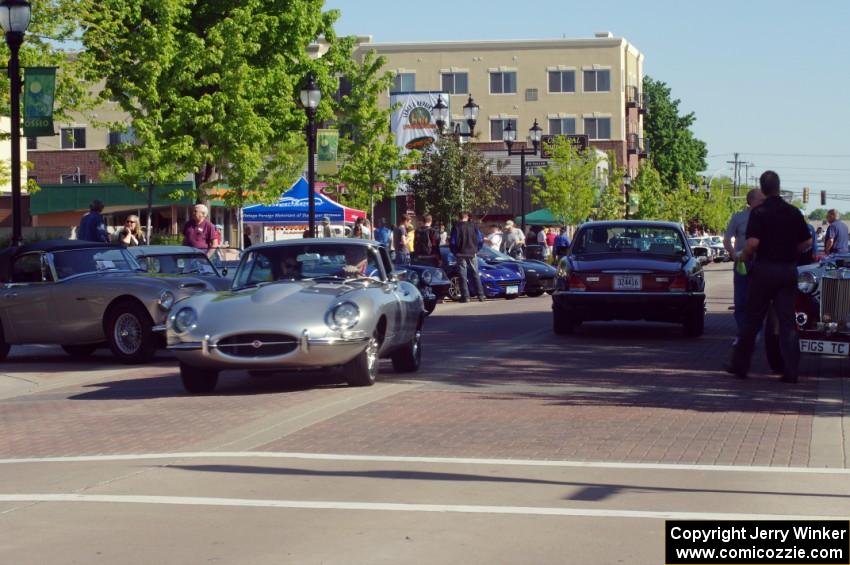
737	163
747	171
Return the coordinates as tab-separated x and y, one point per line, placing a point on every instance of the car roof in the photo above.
61	245
148	250
316	241
631	223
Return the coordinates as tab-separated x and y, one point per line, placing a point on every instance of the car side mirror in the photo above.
700	252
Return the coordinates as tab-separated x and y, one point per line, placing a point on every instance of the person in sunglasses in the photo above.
131	234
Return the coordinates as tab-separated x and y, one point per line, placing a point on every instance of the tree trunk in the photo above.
150	210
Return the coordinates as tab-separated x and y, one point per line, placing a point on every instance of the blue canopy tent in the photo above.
293	208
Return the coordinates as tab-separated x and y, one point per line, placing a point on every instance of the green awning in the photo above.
543	216
77	197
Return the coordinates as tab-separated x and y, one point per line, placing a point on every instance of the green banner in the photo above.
327	142
39	90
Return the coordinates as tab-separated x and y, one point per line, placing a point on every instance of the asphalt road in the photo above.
512	445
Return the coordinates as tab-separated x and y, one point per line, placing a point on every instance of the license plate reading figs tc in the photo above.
627	282
824	347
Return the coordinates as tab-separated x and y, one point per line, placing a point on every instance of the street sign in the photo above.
579	142
533	164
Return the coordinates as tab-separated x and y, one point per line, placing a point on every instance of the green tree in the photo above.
675	150
453	177
568	185
682	204
368	153
216	83
612	205
650	192
719	206
818	215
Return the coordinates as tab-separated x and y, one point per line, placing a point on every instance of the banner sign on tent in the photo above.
412	122
328	142
39	90
293	208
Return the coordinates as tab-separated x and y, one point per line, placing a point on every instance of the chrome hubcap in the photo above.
372	356
128	334
416	339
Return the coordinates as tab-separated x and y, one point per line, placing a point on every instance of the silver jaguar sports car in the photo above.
301	304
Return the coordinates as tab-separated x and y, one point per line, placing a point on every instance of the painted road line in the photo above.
429	460
398	507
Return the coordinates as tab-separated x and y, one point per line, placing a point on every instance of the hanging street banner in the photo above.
327	143
412	123
39	91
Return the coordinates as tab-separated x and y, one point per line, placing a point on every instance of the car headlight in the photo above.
185	320
807	282
343	316
166	300
427	277
413	278
487	276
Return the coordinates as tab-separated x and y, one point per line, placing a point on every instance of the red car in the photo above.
630	270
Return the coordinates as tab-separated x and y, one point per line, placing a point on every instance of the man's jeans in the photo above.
776	283
465	262
740	283
402	257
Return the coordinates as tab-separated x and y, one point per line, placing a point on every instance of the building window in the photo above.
562	81
597	128
455	83
498	126
73	178
73	138
119	137
32	143
597	81
531	95
503	83
562	126
343	89
404	82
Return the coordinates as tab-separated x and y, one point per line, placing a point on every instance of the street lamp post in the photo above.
441	115
310	98
627	182
14	19
535	133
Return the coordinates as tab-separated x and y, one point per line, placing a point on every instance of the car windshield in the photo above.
630	239
179	264
306	262
79	261
491	254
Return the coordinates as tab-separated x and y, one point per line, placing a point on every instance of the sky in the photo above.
769	79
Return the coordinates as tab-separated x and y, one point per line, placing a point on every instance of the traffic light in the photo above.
823	198
805	195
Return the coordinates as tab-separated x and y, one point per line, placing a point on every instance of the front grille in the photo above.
835	300
257	345
505	284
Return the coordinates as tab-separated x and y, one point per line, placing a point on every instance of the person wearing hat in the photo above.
513	240
325	228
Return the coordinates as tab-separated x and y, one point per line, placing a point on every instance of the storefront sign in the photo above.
579	142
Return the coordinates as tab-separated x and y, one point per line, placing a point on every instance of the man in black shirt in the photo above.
465	242
776	236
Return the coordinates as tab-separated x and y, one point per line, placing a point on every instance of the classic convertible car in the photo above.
180	260
301	304
630	270
80	294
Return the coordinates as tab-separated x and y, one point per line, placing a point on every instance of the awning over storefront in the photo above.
77	197
544	216
293	208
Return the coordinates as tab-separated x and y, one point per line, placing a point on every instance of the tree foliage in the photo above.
368	153
818	215
675	151
211	88
650	193
452	177
612	204
568	185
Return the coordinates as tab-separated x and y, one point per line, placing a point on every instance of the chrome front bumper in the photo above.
311	352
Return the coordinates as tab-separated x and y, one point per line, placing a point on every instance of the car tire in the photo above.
455	292
4	347
80	351
430	306
408	359
694	324
129	332
197	380
534	293
562	323
771	343
511	296
363	369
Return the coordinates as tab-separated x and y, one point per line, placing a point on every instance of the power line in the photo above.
812	155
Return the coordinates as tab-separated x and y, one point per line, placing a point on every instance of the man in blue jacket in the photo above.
92	226
465	242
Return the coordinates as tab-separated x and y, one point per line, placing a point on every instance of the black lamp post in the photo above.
627	182
535	133
441	117
14	19
310	98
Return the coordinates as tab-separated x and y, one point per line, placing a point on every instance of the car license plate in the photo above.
627	282
824	347
511	290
